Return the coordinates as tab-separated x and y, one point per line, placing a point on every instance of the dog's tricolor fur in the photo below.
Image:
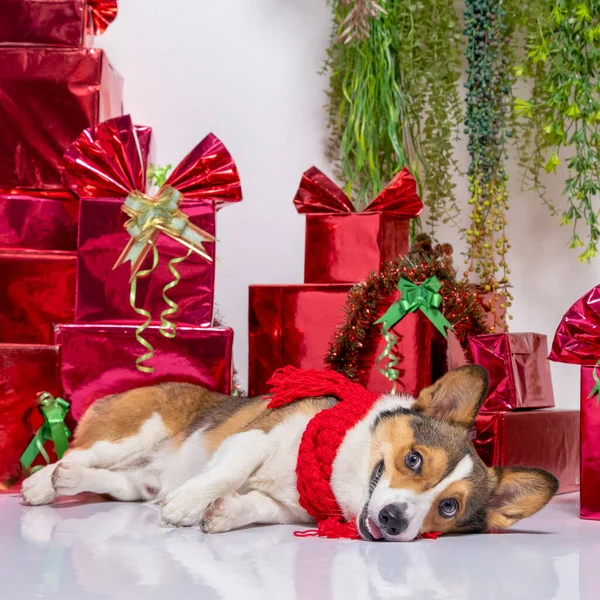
224	462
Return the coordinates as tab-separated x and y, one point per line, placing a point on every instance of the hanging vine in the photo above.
562	115
488	99
393	98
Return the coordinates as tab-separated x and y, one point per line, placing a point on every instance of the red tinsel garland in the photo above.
365	303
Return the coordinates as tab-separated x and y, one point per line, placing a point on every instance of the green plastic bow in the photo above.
424	297
54	411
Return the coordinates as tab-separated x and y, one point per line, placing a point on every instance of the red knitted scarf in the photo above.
321	441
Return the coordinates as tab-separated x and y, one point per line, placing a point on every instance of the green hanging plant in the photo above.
393	99
562	116
488	101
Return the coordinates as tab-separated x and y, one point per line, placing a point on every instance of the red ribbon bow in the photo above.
109	160
319	194
577	338
103	14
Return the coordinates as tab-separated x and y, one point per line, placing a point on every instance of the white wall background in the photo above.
247	70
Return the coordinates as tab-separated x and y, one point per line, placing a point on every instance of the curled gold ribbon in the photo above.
168	328
389	360
140	360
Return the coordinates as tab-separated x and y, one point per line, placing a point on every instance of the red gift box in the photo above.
423	355
49	95
546	439
25	372
103	166
577	341
518	369
36	223
54	22
590	447
291	325
343	246
99	359
37	289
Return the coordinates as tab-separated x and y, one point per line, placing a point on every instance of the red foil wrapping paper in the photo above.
37	289
25	371
36	223
423	354
577	341
291	325
518	369
343	246
99	360
546	439
54	22
590	448
102	166
49	95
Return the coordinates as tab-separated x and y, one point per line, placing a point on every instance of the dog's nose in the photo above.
392	519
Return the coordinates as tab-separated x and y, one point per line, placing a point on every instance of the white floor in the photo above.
94	549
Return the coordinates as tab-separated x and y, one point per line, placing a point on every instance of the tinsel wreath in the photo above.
367	302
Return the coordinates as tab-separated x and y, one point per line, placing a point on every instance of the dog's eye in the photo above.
413	460
448	508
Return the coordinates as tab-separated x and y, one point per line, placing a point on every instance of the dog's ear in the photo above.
519	493
455	397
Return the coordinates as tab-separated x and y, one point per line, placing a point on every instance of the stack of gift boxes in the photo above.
54	85
295	324
70	322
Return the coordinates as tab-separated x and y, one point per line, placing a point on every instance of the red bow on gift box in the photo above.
103	13
577	338
319	194
110	159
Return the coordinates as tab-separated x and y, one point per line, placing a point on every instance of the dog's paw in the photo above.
183	508
220	516
37	488
66	479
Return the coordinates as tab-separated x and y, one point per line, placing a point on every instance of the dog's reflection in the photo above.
120	548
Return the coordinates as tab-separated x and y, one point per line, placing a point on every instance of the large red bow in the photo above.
109	160
103	13
318	194
577	338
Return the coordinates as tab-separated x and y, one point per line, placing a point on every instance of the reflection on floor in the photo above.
88	548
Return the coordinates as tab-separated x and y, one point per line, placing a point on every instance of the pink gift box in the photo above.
38	223
99	360
103	293
518	369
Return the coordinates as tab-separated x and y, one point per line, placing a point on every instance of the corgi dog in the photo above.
224	462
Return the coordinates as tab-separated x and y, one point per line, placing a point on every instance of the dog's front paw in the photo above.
183	508
66	479
37	488
221	515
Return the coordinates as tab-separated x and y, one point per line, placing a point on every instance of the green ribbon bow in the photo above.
54	411
424	297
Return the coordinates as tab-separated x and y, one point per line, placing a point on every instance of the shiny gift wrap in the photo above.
38	223
99	359
25	372
291	325
49	95
421	351
344	246
577	341
103	166
518	369
37	289
54	22
546	439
